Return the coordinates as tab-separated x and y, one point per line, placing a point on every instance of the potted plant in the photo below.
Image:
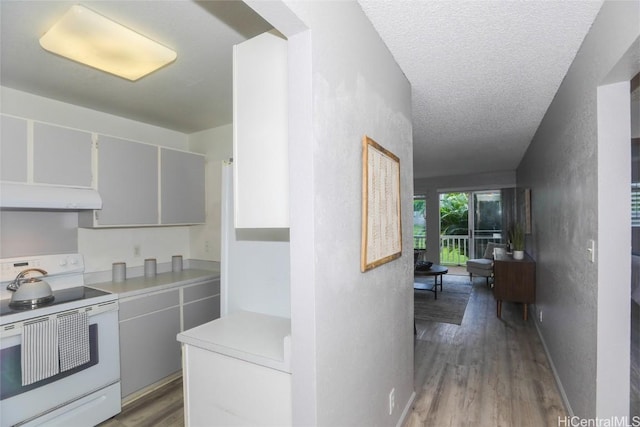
516	235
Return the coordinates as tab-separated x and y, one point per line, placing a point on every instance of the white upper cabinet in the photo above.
260	136
13	149
61	156
182	187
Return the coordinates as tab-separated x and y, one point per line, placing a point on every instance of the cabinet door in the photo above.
182	187
13	149
260	135
201	303
201	290
149	350
502	280
514	281
127	182
61	156
200	312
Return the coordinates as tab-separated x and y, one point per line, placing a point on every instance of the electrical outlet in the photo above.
392	400
136	251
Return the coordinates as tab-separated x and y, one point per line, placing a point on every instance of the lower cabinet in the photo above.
149	351
200	312
223	391
201	303
237	371
149	324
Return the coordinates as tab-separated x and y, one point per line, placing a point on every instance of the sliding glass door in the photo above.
485	221
468	222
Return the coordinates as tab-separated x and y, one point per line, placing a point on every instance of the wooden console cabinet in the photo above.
514	281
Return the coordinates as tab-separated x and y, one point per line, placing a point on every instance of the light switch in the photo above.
591	249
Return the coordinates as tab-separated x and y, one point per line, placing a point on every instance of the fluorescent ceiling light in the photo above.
84	36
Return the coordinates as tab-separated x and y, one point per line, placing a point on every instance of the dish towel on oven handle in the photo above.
39	355
73	340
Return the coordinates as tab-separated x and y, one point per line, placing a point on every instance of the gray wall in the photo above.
562	169
352	332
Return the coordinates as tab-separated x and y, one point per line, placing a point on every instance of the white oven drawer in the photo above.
87	411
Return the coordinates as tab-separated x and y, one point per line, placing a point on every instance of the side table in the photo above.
435	271
514	281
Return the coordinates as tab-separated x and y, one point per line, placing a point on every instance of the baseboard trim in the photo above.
563	395
406	410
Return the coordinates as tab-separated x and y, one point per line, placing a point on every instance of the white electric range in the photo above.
86	394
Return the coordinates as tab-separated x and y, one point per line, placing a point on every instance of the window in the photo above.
419	222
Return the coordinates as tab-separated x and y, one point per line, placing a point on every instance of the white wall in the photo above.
102	247
569	169
614	233
352	332
23	104
217	145
254	264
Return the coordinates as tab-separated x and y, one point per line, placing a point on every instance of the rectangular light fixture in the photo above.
85	36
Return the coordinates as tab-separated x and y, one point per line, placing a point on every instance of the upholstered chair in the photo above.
484	266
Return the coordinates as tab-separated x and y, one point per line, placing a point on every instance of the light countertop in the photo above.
253	337
141	285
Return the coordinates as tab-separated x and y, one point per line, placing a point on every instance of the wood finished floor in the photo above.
485	372
160	408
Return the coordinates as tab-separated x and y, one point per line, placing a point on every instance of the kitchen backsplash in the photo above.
37	233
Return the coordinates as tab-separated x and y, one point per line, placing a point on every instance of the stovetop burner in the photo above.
31	304
61	296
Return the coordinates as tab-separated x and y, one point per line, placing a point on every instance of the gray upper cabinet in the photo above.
13	149
127	182
61	156
146	185
182	187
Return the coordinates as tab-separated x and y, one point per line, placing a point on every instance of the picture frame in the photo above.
381	224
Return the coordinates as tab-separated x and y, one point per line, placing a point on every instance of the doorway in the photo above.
469	221
634	372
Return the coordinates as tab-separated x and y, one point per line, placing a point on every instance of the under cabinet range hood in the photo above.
28	196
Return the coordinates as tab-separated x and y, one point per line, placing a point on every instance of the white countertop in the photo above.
253	337
141	285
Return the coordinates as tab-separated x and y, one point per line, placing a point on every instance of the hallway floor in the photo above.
485	372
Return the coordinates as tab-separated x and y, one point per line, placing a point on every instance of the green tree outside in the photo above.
454	214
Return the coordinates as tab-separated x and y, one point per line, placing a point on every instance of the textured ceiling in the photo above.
189	95
483	74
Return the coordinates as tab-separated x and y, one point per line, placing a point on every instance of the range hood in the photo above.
28	196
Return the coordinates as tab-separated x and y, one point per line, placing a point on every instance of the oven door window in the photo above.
11	370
